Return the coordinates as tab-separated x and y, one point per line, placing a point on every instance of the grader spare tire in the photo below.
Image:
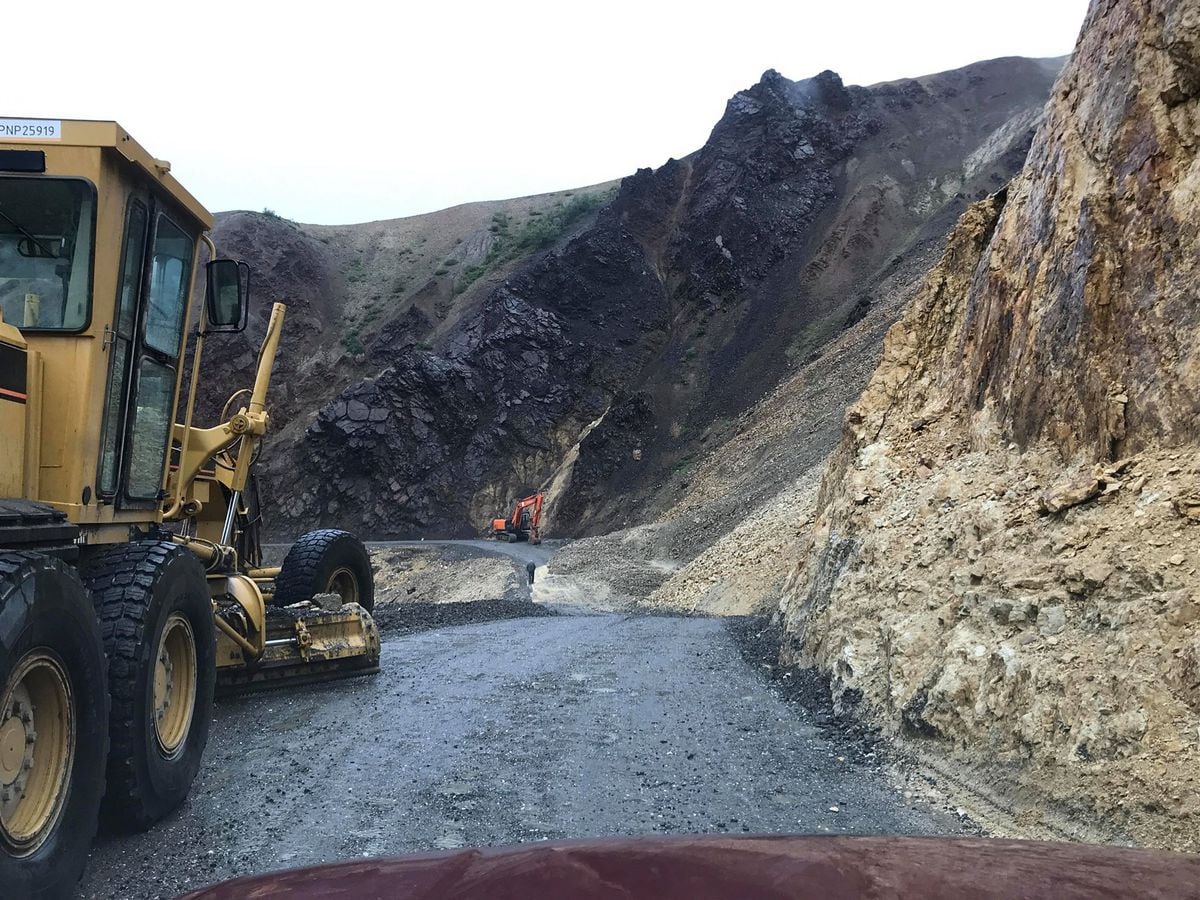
328	561
156	620
53	726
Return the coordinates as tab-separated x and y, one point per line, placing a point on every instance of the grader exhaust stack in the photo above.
131	573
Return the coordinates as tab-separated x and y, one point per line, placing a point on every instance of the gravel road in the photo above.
507	731
538	554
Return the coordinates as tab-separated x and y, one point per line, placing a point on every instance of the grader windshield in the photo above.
46	252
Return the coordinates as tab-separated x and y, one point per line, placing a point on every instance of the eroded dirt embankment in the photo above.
1003	566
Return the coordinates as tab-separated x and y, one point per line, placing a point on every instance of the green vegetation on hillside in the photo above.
538	232
370	297
355	271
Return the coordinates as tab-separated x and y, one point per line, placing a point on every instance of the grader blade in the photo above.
305	644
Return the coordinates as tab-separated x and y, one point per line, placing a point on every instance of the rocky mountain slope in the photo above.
629	334
358	295
1003	564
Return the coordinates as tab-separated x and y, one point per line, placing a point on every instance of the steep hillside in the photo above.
648	326
1003	563
806	196
735	518
360	296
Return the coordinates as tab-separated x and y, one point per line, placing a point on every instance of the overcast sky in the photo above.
349	111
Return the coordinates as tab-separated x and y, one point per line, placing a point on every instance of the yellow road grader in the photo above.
132	581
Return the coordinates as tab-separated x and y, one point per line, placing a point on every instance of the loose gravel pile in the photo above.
437	573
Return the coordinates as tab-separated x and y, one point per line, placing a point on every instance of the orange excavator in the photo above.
524	524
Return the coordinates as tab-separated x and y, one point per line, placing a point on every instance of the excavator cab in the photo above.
132	582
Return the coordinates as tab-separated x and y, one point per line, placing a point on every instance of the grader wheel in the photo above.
328	561
53	725
156	621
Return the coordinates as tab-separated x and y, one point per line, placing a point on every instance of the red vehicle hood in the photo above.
718	866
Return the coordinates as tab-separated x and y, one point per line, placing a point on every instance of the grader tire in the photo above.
328	561
157	623
53	726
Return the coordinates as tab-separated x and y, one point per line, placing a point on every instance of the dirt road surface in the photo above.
505	731
538	554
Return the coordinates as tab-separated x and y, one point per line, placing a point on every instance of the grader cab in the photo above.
132	581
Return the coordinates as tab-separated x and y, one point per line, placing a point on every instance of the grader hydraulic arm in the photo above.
198	446
257	642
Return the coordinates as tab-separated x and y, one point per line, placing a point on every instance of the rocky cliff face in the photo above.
361	295
629	339
287	263
1003	565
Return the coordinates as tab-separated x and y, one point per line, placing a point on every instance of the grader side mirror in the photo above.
228	294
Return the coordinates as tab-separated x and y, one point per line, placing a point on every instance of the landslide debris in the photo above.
742	511
1005	560
441	574
420	587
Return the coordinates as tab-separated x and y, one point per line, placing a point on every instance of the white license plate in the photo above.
30	130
